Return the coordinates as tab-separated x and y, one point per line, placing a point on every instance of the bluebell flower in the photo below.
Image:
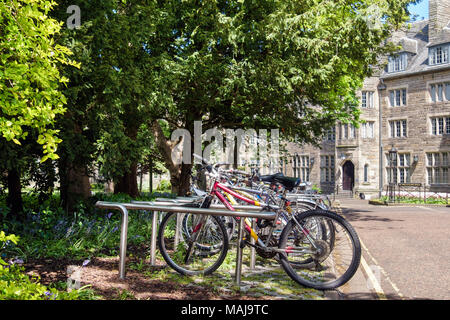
109	215
49	295
86	262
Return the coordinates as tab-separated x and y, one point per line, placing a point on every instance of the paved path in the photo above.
405	251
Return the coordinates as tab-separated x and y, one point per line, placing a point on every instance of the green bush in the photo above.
49	232
416	200
16	285
164	185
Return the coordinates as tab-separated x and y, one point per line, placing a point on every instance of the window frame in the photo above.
397	62
440	125
437	167
398	128
398	97
433	55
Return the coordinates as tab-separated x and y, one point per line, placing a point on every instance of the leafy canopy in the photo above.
29	75
294	65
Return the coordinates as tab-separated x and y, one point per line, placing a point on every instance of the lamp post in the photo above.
381	87
393	176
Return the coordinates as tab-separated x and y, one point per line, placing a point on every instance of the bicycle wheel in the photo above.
319	229
188	222
331	266
199	248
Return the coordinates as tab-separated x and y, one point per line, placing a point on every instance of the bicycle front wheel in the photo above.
330	263
194	246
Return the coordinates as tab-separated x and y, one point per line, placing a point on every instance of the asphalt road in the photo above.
406	251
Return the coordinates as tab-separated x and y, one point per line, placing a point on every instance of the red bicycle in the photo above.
316	248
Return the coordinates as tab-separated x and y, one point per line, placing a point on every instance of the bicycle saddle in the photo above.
288	182
269	177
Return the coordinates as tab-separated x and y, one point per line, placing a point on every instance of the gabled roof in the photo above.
415	41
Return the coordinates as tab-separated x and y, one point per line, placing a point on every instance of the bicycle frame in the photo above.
215	192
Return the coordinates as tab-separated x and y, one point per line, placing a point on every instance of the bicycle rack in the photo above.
178	205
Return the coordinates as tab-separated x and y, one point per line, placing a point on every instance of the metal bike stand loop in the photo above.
183	201
173	207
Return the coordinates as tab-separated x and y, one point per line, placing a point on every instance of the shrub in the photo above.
164	185
16	285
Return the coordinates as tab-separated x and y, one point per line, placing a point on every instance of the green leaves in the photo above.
29	77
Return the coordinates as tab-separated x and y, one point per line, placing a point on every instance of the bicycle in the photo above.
304	248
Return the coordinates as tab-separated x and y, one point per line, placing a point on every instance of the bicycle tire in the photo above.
205	259
316	277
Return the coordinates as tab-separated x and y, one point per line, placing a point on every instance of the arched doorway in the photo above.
348	175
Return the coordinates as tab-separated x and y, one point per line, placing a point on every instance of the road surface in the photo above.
406	252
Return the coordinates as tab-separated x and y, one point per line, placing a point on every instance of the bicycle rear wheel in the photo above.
199	247
330	266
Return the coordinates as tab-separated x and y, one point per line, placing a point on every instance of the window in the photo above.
437	167
398	128
440	126
327	168
367	99
397	98
367	130
440	92
347	131
398	62
331	134
295	165
398	170
304	168
438	54
366	173
403	167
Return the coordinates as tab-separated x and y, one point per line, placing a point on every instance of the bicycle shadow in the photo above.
358	215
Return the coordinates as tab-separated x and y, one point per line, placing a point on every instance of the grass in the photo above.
415	200
48	232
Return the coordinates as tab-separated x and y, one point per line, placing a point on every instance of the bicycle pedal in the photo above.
242	244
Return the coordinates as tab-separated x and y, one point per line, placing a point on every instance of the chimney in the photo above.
439	11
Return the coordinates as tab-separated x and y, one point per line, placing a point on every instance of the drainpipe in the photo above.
381	86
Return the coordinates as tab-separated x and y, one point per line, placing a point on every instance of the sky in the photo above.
421	9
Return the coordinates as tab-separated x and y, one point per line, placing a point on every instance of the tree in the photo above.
104	126
292	65
29	84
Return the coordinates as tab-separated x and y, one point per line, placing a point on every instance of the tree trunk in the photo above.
180	179
75	185
74	179
179	174
128	182
14	200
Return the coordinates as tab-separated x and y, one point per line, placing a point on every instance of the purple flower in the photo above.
86	262
109	215
48	294
115	229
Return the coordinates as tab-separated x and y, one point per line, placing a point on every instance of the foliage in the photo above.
417	200
291	65
164	185
49	231
16	285
29	75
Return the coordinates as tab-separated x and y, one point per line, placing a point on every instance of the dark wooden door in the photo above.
348	175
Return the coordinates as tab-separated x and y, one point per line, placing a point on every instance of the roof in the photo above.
415	41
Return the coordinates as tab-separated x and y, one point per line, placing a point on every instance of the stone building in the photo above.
406	109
